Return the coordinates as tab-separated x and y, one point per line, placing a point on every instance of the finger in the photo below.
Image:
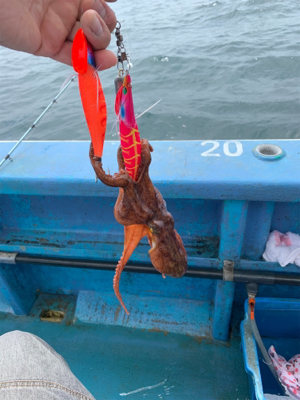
100	6
108	16
104	58
74	31
95	30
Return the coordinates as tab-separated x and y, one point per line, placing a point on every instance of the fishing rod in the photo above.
8	156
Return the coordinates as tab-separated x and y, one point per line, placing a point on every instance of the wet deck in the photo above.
113	360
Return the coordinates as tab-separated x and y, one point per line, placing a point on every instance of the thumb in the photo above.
99	36
95	30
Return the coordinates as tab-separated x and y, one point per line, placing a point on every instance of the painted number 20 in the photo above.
235	145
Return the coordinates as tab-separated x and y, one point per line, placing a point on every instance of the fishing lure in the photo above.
128	128
91	92
129	131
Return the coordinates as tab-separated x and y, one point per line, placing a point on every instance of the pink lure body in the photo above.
129	131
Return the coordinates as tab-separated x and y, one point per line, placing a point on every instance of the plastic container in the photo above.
278	321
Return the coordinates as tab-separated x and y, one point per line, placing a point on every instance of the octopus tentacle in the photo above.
133	234
120	179
116	282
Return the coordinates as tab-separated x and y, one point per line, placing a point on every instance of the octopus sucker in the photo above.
142	210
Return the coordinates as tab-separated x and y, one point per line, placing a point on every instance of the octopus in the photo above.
142	210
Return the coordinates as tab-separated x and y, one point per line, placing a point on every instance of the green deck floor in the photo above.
114	360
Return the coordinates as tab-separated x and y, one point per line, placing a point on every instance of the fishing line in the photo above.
67	79
153	105
144	112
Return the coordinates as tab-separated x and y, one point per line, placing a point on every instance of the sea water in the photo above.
223	69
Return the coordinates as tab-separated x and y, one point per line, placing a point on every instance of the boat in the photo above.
60	243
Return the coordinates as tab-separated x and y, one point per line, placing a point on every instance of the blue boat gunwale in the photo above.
63	166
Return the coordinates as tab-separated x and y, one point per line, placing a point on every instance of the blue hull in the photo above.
225	200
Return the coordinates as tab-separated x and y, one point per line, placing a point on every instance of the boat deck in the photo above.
113	360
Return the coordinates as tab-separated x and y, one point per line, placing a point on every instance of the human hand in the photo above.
47	27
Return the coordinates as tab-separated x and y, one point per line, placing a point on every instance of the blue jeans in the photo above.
31	370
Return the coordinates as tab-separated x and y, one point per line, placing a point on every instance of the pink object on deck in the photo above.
288	372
